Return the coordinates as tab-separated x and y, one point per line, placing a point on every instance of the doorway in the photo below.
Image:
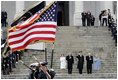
63	13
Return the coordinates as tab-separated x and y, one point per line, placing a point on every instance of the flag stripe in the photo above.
14	48
24	29
31	19
38	32
32	37
20	39
39	23
37	28
33	30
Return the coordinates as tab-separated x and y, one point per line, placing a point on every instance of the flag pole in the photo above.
52	55
45	52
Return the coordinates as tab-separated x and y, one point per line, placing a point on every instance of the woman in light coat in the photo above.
63	62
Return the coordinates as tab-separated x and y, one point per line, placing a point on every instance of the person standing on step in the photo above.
109	18
83	18
5	18
10	60
100	17
7	65
2	18
17	56
92	20
89	60
70	62
62	62
4	66
96	63
88	16
80	64
104	18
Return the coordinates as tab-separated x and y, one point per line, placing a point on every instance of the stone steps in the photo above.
26	71
73	39
86	76
68	76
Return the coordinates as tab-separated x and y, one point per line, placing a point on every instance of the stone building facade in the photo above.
69	12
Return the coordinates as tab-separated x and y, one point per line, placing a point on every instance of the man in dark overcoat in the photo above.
80	64
70	62
89	60
83	18
88	16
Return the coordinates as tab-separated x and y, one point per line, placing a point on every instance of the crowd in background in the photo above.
107	18
87	19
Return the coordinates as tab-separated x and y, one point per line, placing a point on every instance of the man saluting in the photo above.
80	64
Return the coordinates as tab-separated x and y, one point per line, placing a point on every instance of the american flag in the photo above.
43	29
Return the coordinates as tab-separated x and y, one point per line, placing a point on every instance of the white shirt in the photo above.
105	16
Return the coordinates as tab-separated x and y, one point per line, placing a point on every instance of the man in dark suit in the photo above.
88	16
70	61
83	18
80	64
89	60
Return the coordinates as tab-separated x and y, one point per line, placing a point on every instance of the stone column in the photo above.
106	5
71	12
77	13
19	8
